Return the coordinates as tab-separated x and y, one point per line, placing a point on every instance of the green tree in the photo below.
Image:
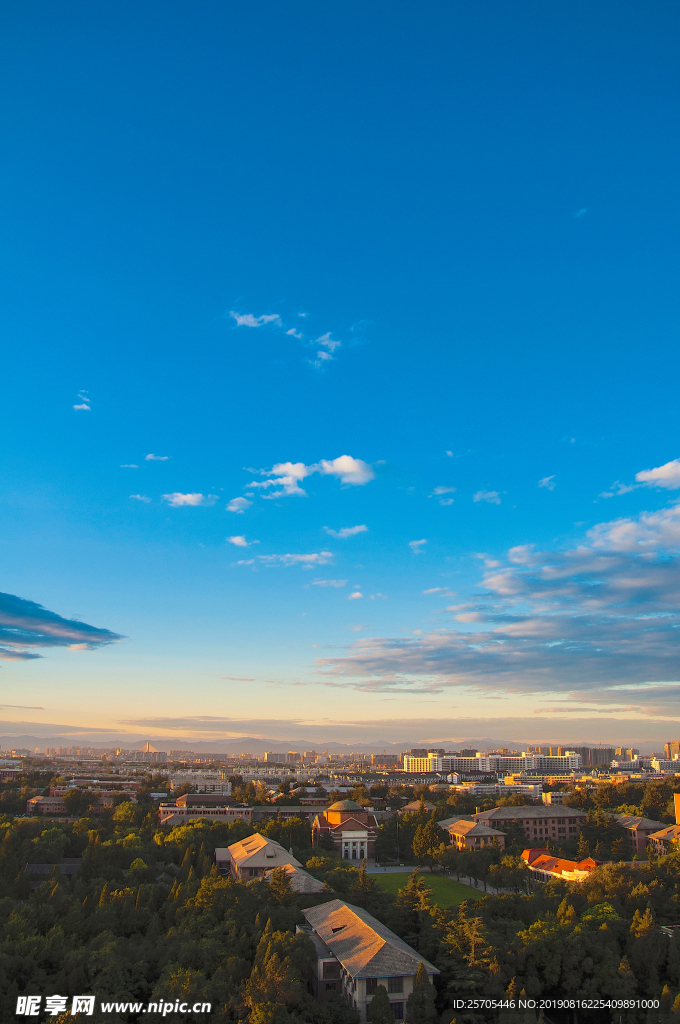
379	1010
420	1008
428	842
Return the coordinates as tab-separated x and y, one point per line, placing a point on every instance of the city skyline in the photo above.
333	434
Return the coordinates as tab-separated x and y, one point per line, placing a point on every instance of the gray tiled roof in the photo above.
518	813
365	947
464	827
633	821
300	881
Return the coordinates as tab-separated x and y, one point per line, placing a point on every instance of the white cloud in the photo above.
547	482
140	497
249	320
238	505
287	475
443	490
416	545
329	583
346	531
598	623
240	542
349	470
83	406
493	497
667	476
306	561
450	454
156	458
446	501
176	499
617	489
85	400
327	342
246	561
355	596
128	465
294	333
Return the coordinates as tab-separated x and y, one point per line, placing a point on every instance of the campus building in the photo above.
352	828
540	823
355	953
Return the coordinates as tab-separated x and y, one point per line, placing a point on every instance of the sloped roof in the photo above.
669	831
300	880
523	811
634	822
463	827
364	946
257	845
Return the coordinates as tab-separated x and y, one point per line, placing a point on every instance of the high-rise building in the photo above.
270	755
672	749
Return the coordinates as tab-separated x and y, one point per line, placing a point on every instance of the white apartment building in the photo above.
202	781
500	763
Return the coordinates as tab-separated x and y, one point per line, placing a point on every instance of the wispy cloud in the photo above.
439	491
416	545
84	405
306	561
346	531
238	505
128	465
666	477
287	475
250	320
156	458
329	583
548	482
25	625
140	497
328	342
177	500
493	497
598	623
295	334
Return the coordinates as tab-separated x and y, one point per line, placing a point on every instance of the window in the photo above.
330	986
395	984
398	1010
371	986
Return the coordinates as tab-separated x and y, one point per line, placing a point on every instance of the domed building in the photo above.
352	828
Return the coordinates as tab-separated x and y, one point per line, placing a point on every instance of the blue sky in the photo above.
439	241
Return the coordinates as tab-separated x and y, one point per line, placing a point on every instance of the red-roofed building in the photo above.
352	828
544	866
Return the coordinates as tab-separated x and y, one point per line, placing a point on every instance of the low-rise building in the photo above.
172	814
471	835
638	830
539	823
253	857
300	880
554	799
545	867
665	840
352	828
45	805
356	953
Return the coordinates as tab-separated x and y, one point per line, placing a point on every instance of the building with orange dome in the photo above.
352	828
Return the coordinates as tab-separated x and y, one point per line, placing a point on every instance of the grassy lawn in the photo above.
447	892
